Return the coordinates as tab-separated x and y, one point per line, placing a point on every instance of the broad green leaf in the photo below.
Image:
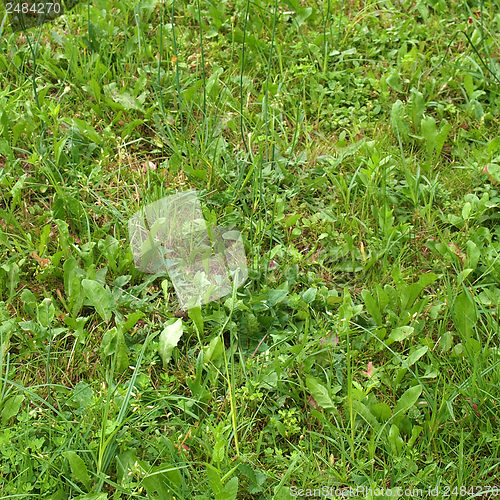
113	342
415	356
397	119
99	297
466	210
214	479
87	130
45	312
473	254
29	302
372	307
446	341
276	296
302	15
464	314
230	491
416	430
393	81
169	338
64	236
395	440
11	408
155	482
365	413
292	219
76	326
320	393
429	132
12	270
197	318
309	295
409	293
441	137
469	85
407	400
15	192
382	411
132	320
417	106
493	170
219	450
82	395
79	470
400	333
108	343
213	351
473	346
122	359
123	98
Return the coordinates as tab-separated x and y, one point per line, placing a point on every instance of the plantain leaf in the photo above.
79	470
11	408
320	393
407	400
99	297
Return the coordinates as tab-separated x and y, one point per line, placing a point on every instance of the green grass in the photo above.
355	146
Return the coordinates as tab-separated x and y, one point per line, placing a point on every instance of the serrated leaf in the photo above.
169	338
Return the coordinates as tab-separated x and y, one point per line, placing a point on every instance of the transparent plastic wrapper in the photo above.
171	236
24	14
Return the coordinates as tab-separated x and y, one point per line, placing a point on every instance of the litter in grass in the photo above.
170	235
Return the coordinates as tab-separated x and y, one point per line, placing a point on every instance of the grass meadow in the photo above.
355	146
